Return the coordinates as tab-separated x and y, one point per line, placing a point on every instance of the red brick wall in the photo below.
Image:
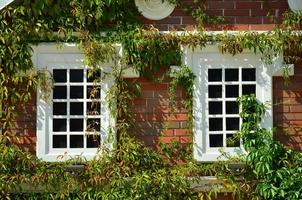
288	109
154	117
240	15
25	126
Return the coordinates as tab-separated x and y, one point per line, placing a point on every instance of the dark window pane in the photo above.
232	107
59	141
76	141
93	125
93	75
248	89
59	108
214	75
58	125
59	75
232	141
216	140
231	91
76	108
232	123
93	141
93	108
76	92
93	92
249	74
215	91
60	92
76	125
215	107
231	75
76	75
215	124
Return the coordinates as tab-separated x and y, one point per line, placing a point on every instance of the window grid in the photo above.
69	117
224	99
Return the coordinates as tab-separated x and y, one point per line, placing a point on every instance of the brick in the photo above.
188	20
153	86
237	27
169	20
184	139
248	5
214	12
296	108
282	93
147	94
292	116
249	20
281	109
139	102
262	12
262	27
166	140
220	5
156	117
169	132
181	132
178	117
173	124
235	12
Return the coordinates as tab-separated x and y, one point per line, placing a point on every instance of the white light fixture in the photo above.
154	9
295	5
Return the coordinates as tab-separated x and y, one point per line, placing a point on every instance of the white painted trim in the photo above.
66	55
4	3
212	56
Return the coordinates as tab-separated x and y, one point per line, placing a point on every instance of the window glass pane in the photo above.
93	75
60	92
59	108
93	125
93	92
93	141
215	91
215	124
59	125
76	92
248	74
76	75
214	75
232	91
76	108
93	108
232	123
76	125
248	89
231	107
59	141
231	75
215	107
232	141
76	141
216	140
59	75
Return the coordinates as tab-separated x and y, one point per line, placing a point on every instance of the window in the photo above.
76	120
220	79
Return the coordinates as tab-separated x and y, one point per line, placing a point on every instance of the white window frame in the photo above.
200	59
64	56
